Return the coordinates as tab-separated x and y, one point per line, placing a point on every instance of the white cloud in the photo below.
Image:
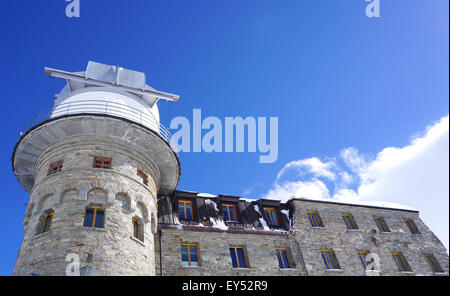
415	175
312	165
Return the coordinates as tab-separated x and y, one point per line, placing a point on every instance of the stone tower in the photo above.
94	166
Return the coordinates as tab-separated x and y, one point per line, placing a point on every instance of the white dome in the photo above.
107	101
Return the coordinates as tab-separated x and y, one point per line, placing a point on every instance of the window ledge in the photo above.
93	228
440	273
41	235
190	266
318	227
241	268
335	270
384	232
353	230
138	241
287	269
407	272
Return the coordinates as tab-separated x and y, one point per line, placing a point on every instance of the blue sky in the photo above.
333	77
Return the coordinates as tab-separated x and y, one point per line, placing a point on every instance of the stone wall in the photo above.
111	250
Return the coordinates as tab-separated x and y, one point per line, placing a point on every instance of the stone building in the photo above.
102	177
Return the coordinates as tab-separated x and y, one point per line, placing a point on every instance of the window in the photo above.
329	259
381	224
143	176
189	255
94	217
55	167
315	219
137	229
185	209
411	226
362	257
237	257
282	256
401	262
47	222
229	212
432	263
271	216
102	163
349	221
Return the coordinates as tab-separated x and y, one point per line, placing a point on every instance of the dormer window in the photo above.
102	163
185	209
229	212
143	177
55	167
271	216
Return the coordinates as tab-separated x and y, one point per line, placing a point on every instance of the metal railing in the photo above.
104	108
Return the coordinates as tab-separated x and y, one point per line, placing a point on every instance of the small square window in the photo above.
102	163
401	262
282	256
238	257
189	255
229	213
94	217
411	226
271	216
329	259
433	263
315	219
55	167
47	222
382	226
349	221
185	209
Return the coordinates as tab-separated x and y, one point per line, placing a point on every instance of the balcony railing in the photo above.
104	108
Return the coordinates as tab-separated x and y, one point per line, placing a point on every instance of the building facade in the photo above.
102	174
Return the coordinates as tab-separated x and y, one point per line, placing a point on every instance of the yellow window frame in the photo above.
318	218
184	202
332	258
384	225
434	266
51	215
189	251
402	259
362	258
135	221
271	209
237	257
228	206
352	221
279	251
411	226
95	215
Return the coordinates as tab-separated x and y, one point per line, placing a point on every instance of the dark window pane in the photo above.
135	229
280	263
89	218
181	210
285	259
233	257
184	256
232	216
225	213
47	223
273	218
193	250
325	260
188	211
99	219
240	252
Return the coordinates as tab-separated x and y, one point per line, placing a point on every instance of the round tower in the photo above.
94	166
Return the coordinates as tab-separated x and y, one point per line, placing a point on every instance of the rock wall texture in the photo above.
111	250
